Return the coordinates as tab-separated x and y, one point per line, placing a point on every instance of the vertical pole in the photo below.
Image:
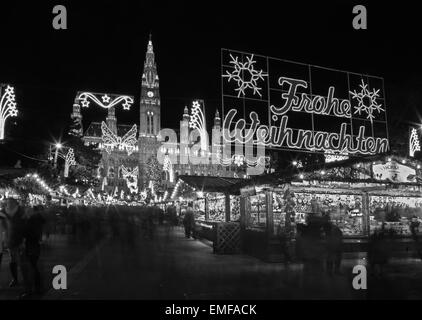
227	207
56	153
365	214
207	214
269	213
242	209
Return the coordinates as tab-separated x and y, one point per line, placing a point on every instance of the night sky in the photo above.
104	47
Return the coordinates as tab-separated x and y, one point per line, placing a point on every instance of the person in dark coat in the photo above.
378	252
334	241
284	236
14	239
189	221
414	229
32	250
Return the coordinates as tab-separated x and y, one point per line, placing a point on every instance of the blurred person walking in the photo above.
14	236
34	222
189	221
334	242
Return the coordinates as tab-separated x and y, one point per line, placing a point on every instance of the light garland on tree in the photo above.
197	121
168	167
333	156
131	177
111	140
240	160
69	159
7	108
41	182
414	142
106	101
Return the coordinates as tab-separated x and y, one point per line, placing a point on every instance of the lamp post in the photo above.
58	146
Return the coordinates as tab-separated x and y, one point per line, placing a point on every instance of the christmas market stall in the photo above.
216	204
358	195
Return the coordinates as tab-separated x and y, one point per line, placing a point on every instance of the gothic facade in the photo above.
117	161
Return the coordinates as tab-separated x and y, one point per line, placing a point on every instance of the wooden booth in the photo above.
216	204
360	197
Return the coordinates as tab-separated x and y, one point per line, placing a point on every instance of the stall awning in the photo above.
214	184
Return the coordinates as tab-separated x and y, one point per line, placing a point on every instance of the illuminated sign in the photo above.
288	105
394	171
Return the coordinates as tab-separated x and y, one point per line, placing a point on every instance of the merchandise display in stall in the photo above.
395	213
234	208
258	213
199	209
345	211
216	206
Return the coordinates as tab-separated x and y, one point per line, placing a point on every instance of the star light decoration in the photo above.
106	101
370	105
245	75
7	108
414	142
197	121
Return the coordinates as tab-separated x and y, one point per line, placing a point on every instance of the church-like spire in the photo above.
150	76
217	119
186	116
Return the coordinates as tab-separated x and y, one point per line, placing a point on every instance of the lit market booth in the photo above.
217	209
359	196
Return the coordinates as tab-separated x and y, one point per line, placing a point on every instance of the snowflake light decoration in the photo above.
245	75
7	108
238	160
367	101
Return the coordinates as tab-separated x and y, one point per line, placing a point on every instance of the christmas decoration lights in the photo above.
131	177
111	140
7	108
197	121
364	95
245	75
414	142
168	167
69	161
108	101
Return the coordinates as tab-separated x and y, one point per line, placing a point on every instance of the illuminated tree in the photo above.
153	172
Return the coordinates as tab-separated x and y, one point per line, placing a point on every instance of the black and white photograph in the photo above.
233	152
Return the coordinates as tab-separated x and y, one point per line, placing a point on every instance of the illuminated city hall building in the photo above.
125	165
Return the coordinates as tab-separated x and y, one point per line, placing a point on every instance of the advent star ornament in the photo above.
367	101
245	75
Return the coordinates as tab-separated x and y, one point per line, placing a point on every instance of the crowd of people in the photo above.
318	244
21	232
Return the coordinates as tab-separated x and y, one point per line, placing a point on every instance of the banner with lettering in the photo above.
294	106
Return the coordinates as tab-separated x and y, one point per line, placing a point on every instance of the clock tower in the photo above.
150	113
150	97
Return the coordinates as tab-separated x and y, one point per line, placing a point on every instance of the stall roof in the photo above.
214	184
290	174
